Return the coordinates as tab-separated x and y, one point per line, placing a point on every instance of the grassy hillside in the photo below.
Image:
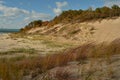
77	16
86	15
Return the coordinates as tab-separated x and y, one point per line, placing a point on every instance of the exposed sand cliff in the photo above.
104	30
107	30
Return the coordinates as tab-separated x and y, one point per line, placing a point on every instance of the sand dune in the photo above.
107	30
62	35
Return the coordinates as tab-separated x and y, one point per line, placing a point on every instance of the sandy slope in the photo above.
42	44
106	30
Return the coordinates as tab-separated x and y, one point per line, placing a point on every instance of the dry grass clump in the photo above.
63	75
19	50
10	70
96	50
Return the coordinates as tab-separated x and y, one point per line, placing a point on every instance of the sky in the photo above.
18	13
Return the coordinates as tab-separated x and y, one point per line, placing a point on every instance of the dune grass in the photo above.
12	70
19	50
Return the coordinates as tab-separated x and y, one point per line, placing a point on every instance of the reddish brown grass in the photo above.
43	64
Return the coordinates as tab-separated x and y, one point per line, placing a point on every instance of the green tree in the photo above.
105	12
116	10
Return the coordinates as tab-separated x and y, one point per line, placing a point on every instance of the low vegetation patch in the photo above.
43	63
19	50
